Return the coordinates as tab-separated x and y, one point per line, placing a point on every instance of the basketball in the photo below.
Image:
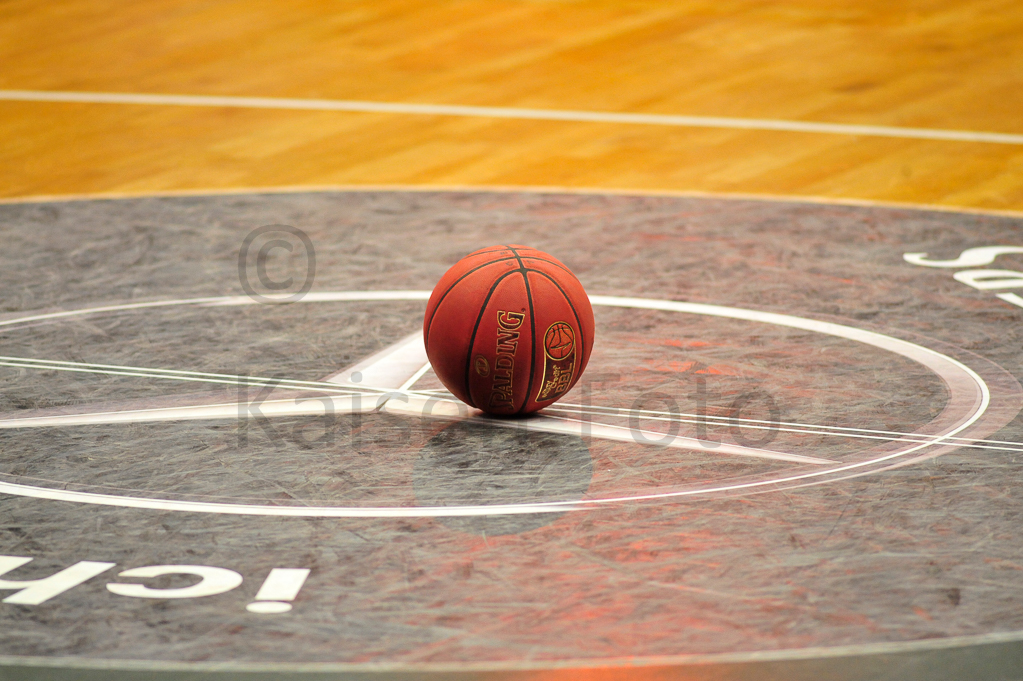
508	329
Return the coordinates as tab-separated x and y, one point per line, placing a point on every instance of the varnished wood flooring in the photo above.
930	63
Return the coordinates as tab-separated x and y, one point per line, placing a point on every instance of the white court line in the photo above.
810	430
370	391
975	397
407	385
389	369
710	419
388	402
435	400
112	308
512	113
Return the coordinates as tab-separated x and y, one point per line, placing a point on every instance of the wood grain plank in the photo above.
938	63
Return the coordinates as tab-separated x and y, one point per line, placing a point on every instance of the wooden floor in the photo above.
955	64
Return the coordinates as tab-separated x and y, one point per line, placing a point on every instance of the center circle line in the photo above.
954	373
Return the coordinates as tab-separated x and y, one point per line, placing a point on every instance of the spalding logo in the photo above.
508	323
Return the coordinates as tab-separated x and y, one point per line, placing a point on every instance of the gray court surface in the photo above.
169	399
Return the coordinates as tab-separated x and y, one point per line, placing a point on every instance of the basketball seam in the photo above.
549	262
524	270
558	326
484	252
429	323
578	322
532	331
475	329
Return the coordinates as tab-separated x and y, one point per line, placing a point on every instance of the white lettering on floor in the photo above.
982	280
275	596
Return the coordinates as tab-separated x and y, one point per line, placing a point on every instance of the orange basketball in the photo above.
508	329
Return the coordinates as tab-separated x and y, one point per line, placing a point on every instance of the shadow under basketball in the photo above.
475	464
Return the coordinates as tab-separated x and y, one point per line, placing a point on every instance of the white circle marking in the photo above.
955	374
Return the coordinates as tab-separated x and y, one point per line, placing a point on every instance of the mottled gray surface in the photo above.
930	550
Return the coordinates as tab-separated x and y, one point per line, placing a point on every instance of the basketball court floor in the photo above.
797	450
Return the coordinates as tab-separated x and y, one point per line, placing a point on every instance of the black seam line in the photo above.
429	324
532	331
578	323
472	338
484	251
453	284
549	262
